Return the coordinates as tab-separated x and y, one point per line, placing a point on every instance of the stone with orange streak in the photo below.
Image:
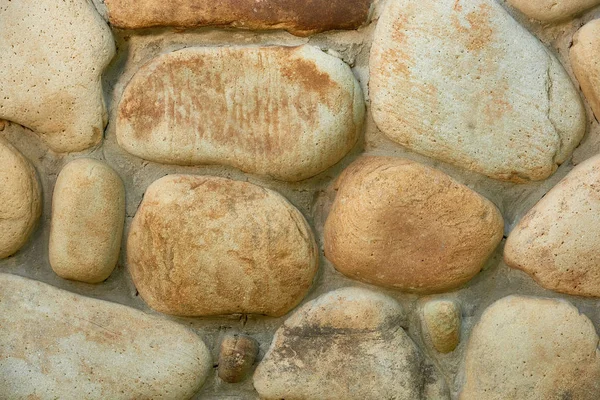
552	11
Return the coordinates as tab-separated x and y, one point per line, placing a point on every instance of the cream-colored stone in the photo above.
403	225
584	55
462	82
52	54
287	112
88	214
59	345
347	344
556	242
201	245
441	321
20	199
534	349
552	10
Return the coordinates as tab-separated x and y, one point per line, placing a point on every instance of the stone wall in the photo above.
299	200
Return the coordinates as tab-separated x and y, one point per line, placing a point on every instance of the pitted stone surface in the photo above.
52	54
287	112
403	225
441	323
347	344
462	82
552	10
585	53
59	345
202	245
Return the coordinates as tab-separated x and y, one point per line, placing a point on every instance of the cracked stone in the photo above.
552	10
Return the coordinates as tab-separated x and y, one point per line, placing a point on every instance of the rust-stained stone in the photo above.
584	55
534	349
463	82
287	112
556	242
236	357
59	345
347	344
403	225
552	10
301	18
202	245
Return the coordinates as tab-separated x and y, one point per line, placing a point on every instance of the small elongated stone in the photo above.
236	357
552	10
286	112
584	55
88	214
59	345
441	322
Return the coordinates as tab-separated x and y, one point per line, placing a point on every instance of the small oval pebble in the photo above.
88	213
441	322
236	357
20	199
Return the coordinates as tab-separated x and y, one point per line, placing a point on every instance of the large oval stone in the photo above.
403	225
59	345
462	82
286	112
203	245
347	344
20	199
88	214
532	348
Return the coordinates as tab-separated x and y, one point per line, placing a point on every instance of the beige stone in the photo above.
556	242
462	82
403	225
552	10
88	214
441	321
52	54
534	349
287	112
300	18
584	55
20	199
59	345
202	245
346	344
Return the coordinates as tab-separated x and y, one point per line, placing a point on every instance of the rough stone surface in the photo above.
403	225
236	357
88	213
20	199
532	348
441	322
58	345
287	112
207	246
556	242
346	344
584	60
52	54
300	18
552	10
462	82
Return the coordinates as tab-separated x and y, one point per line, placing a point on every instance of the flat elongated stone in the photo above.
202	245
346	344
462	82
88	214
52	54
300	18
59	345
20	199
584	55
532	348
556	242
403	225
287	112
552	10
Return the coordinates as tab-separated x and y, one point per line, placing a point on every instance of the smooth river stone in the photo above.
20	199
52	54
556	242
88	213
584	55
462	82
552	10
59	345
403	225
301	18
201	245
347	344
287	112
534	349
